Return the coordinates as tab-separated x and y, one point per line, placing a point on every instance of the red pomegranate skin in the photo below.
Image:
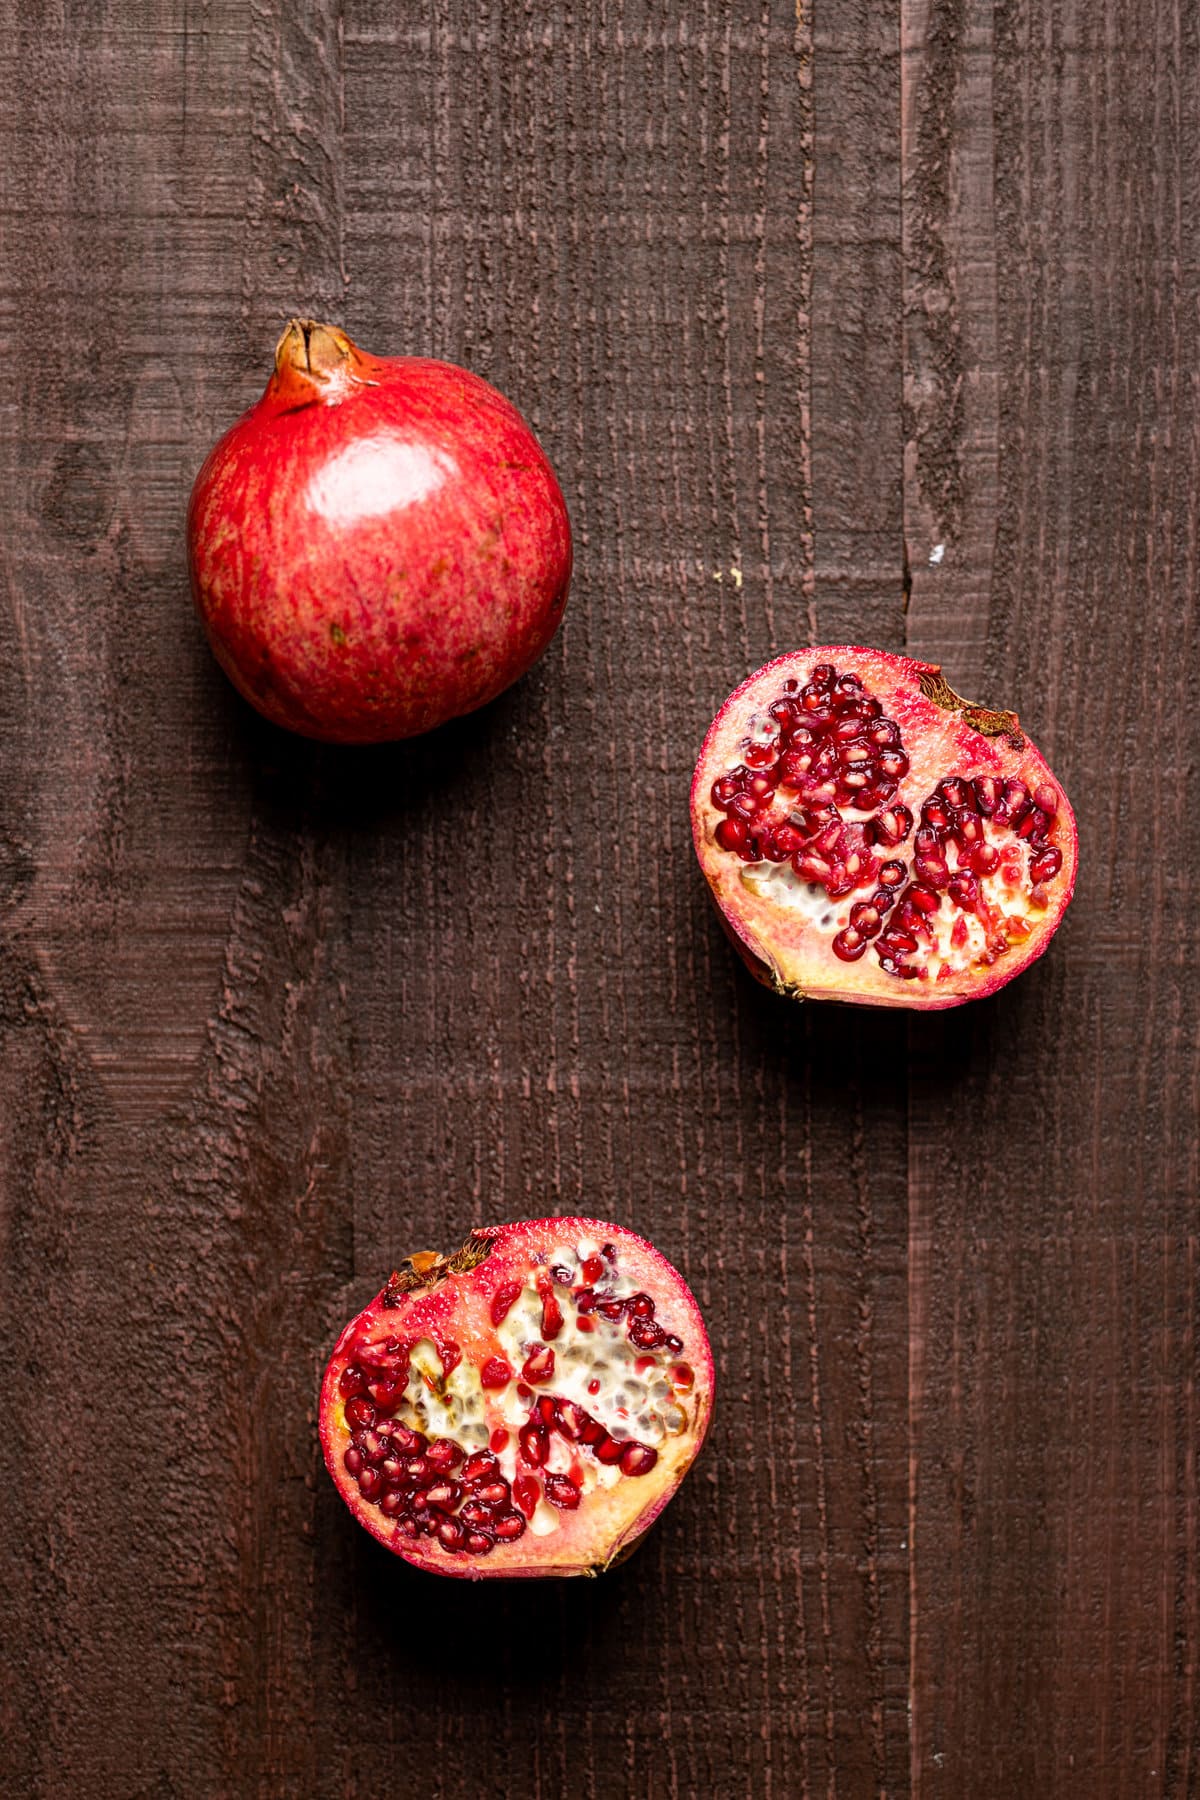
378	546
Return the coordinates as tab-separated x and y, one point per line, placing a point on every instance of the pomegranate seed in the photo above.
723	790
593	1432
539	1364
407	1441
731	834
849	944
591	1270
955	792
451	1534
480	1467
760	788
683	1376
359	1412
934	817
1045	865
444	1495
495	1373
391	1503
985	859
353	1459
509	1527
393	1468
785	842
570	1419
585	1298
822	676
1047	798
865	918
372	1446
958	934
610	1308
369	1483
897	943
761	756
638	1459
526	1493
418	1471
478	1543
967	828
892	763
793	767
494	1494
443	1453
923	898
609	1451
891	874
547	1411
786	715
928	841
1033	824
534	1444
640	1306
474	1513
450	1355
987	794
891	827
931	870
561	1491
1013	796
408	1527
351	1381
964	891
848	731
884	734
503	1300
847	687
646	1334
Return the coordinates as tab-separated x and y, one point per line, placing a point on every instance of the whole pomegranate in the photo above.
870	836
378	545
526	1406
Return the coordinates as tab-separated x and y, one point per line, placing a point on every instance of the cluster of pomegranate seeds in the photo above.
433	1487
825	749
429	1486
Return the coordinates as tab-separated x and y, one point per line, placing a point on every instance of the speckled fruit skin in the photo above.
789	957
378	545
598	1535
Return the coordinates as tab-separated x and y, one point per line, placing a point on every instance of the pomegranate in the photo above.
525	1406
378	545
870	836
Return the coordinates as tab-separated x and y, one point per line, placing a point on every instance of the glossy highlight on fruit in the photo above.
870	836
523	1407
378	545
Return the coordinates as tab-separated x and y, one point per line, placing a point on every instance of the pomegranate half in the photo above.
526	1406
378	545
869	836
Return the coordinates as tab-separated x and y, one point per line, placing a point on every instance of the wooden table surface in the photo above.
875	320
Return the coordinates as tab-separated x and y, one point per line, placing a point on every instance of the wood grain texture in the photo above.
792	296
1052	189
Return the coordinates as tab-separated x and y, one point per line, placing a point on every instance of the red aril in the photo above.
937	851
470	1473
378	545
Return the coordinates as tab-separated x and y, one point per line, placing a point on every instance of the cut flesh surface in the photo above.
523	1407
869	836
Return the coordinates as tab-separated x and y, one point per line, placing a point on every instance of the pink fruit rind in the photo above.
458	1302
777	948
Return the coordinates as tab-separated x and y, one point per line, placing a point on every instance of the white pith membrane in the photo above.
856	901
642	1404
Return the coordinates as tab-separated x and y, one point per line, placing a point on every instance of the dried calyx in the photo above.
847	802
549	1382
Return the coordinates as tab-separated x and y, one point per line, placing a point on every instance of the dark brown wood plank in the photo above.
1050	304
275	1014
